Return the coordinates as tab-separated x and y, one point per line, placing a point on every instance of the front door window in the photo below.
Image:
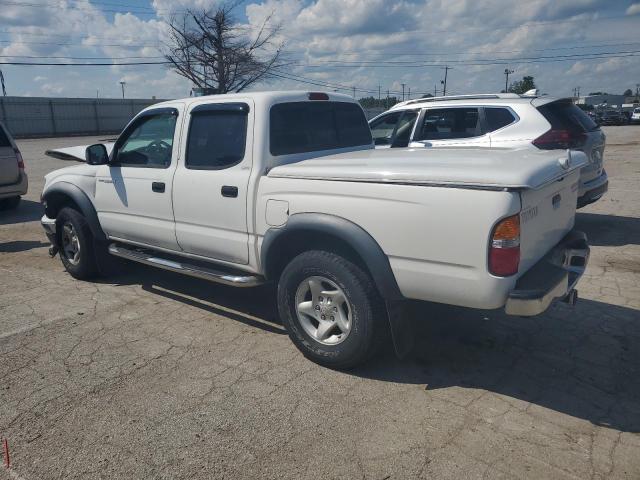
149	143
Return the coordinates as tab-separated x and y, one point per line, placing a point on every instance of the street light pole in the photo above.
507	72
4	91
444	82
122	84
403	92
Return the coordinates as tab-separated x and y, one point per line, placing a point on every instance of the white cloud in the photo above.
319	33
634	9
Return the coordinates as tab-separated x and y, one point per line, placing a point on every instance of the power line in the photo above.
487	62
488	51
11	42
78	58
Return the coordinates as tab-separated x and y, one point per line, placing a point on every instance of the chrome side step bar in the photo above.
192	270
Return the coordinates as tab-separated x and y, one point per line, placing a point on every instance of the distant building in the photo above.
611	100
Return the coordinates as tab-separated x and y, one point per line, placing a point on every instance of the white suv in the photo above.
498	120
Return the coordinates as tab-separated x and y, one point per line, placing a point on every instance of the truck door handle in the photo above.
229	191
158	187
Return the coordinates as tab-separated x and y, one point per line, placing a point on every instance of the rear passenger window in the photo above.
300	127
498	118
449	124
216	139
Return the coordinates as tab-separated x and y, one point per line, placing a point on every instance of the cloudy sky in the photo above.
341	44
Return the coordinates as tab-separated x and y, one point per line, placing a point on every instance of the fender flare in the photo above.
83	202
352	234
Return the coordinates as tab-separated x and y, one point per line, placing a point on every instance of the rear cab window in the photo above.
302	127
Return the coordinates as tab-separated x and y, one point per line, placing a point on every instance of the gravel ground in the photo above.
146	374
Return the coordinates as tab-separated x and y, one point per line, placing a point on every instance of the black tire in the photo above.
369	325
84	267
10	203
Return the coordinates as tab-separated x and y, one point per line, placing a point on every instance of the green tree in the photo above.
372	102
522	86
628	92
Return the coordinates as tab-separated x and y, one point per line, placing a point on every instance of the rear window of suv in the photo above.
300	127
565	115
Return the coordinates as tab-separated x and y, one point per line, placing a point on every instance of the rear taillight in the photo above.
560	140
504	249
19	157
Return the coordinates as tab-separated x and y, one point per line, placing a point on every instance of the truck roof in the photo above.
265	97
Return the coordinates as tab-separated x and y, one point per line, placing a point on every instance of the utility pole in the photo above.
409	93
354	92
122	84
444	82
403	92
637	90
386	103
379	87
507	72
577	92
435	90
4	91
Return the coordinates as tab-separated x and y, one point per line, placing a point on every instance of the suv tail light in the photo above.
560	140
20	160
504	251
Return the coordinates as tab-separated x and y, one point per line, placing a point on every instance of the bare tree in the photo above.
213	51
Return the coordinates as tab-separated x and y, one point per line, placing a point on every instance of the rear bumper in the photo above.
553	277
15	189
593	190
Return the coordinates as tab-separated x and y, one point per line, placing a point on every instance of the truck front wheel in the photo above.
331	309
77	250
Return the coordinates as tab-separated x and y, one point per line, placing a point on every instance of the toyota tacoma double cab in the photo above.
286	187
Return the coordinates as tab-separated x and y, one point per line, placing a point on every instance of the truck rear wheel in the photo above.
77	250
331	309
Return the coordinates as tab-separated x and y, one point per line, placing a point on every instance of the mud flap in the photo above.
402	328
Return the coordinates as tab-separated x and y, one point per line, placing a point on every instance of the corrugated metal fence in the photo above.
53	117
30	117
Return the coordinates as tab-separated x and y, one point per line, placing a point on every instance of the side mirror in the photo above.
96	154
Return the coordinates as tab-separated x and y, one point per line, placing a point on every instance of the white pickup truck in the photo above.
279	187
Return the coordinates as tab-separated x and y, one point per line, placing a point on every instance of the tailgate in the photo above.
9	172
548	214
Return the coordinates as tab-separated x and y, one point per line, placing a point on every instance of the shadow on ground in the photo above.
582	361
21	246
609	230
255	307
27	211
